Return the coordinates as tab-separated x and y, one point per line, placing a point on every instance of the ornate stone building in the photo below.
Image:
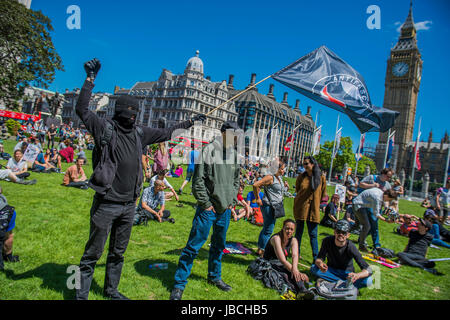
433	158
262	112
179	97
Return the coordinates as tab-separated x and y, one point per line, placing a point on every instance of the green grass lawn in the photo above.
52	228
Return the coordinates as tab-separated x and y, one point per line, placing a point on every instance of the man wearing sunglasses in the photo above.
340	254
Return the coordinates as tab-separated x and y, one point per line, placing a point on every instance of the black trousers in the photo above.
106	218
415	260
79	184
23	175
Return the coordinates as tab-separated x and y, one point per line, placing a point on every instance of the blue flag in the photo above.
324	77
390	149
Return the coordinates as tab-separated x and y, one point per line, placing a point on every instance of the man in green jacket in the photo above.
215	186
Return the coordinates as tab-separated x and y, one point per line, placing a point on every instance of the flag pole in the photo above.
387	147
240	93
334	145
292	147
357	161
414	161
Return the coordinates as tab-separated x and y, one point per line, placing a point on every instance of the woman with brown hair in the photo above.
273	195
311	187
278	248
161	158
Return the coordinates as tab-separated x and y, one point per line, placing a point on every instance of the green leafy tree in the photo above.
13	126
344	155
27	54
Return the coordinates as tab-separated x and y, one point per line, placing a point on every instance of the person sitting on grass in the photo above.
440	234
417	247
68	153
161	175
55	160
407	225
75	176
426	203
243	212
7	224
18	166
279	246
8	175
82	154
4	155
19	144
177	173
340	253
331	211
324	202
152	197
63	144
42	165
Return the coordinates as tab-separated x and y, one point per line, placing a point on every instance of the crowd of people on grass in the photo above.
125	161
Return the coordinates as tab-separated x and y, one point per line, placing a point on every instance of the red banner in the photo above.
19	115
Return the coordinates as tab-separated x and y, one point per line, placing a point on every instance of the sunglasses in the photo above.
306	163
341	232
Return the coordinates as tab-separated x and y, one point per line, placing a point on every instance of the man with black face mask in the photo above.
117	180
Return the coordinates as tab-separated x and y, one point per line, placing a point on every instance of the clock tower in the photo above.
403	75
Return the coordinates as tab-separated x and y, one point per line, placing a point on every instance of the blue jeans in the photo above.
267	229
312	231
334	275
370	225
201	225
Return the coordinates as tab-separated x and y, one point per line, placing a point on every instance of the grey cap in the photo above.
343	225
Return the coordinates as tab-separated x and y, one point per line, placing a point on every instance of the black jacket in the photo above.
105	170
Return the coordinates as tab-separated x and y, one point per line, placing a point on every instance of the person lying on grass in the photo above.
440	234
417	247
340	253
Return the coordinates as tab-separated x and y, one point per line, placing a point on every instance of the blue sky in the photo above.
136	39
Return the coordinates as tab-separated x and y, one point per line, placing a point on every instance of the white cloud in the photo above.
423	25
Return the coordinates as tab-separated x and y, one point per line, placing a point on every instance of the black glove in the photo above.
199	117
92	67
162	123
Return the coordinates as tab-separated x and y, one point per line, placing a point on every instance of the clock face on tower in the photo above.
400	69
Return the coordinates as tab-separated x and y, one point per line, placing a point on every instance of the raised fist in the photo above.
92	67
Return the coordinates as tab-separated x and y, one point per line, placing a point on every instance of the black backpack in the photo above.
5	218
384	252
141	216
106	139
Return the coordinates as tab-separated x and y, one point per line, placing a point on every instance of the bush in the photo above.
13	126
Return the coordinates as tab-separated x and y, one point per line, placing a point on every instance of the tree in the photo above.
27	54
344	155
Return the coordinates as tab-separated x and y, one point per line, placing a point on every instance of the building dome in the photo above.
195	63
